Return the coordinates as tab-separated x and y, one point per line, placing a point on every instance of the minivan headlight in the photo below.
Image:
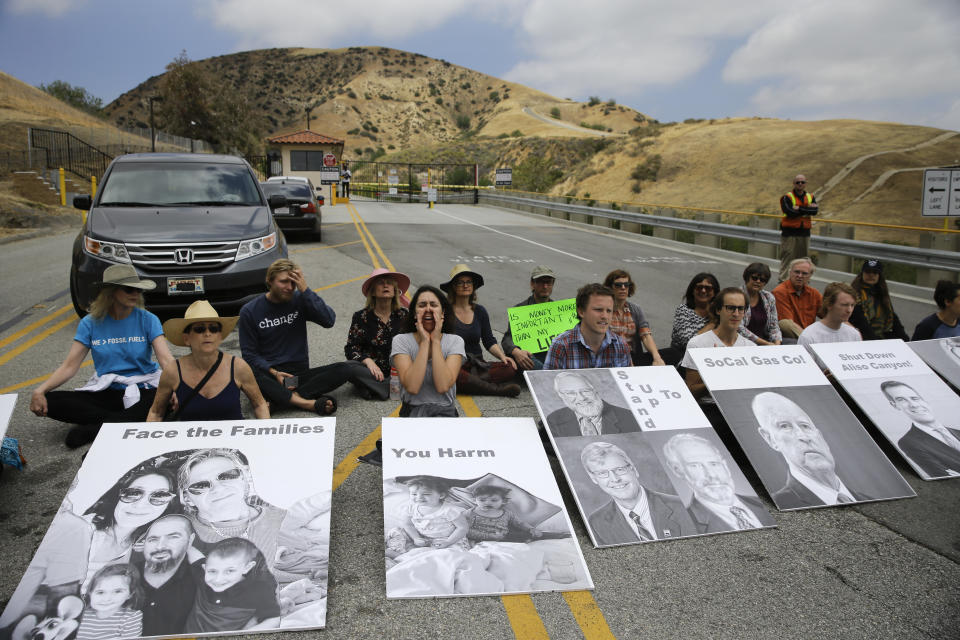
256	246
109	251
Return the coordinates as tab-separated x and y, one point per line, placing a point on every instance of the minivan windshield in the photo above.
187	184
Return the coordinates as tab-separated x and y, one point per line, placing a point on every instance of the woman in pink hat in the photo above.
373	327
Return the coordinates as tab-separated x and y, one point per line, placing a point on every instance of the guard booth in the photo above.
310	155
409	182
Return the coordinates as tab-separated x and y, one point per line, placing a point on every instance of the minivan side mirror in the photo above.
82	202
277	201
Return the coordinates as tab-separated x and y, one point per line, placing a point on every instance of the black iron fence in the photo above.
410	182
62	149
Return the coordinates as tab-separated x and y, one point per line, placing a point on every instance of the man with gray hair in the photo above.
586	413
812	478
634	513
797	302
716	506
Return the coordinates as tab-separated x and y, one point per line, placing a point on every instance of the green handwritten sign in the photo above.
534	326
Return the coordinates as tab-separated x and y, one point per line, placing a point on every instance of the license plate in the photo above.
180	286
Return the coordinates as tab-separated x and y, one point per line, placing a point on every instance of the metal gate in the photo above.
409	182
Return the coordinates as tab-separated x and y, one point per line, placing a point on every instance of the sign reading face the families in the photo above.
943	356
805	444
643	462
909	403
534	326
471	507
202	528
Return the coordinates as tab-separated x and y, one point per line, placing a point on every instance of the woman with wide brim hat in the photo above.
207	383
121	336
372	328
473	325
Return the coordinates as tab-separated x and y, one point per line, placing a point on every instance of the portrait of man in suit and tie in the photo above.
812	477
716	506
930	444
585	412
634	512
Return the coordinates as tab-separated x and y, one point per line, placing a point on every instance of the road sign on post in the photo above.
941	193
504	177
330	174
329	160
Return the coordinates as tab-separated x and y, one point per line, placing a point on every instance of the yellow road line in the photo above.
33	381
588	615
13	353
523	616
372	239
332	246
32	326
373	258
337	284
336	224
346	467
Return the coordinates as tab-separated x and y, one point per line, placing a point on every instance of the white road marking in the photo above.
510	235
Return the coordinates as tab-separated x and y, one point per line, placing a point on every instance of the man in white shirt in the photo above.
928	443
716	506
812	478
634	513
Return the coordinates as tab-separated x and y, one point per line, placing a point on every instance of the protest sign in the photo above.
805	444
534	326
643	462
471	507
943	356
206	528
910	405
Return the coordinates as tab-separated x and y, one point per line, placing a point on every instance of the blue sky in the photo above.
805	59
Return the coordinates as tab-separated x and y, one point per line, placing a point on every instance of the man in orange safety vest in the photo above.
797	206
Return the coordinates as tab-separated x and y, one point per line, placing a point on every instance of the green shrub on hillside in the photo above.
463	121
648	169
594	101
555	113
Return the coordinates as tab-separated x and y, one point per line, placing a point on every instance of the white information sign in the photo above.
431	195
330	175
504	177
941	192
471	507
913	408
805	444
634	441
199	496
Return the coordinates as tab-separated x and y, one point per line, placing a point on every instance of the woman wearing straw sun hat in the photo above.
373	327
207	384
120	334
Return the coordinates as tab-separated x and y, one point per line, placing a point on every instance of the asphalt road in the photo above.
884	569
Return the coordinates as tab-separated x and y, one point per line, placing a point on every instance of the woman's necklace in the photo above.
243	534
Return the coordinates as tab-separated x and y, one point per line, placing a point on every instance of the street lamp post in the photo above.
153	135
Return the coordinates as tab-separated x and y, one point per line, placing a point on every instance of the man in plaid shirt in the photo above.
590	344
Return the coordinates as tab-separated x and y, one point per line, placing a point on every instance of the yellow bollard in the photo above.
63	189
93	186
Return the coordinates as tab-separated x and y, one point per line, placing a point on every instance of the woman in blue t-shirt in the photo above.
120	334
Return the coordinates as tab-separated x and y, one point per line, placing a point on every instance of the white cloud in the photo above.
51	8
620	46
851	53
326	23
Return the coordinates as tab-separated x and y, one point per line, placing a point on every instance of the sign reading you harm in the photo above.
534	326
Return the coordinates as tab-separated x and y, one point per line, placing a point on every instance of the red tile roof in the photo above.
303	137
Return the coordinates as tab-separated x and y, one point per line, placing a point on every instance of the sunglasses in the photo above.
704	287
759	278
202	328
735	308
622	285
463	283
201	487
127	289
135	494
800	182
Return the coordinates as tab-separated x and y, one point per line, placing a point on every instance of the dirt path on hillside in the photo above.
566	125
850	167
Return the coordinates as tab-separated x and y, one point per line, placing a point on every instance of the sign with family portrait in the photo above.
910	405
186	529
943	356
805	444
471	507
642	460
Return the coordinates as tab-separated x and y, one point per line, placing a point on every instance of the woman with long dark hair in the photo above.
874	316
693	314
629	322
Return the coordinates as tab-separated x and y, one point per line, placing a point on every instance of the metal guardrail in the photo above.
929	258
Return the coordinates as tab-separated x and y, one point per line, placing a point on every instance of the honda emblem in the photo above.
183	256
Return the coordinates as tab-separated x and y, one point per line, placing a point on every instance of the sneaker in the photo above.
81	434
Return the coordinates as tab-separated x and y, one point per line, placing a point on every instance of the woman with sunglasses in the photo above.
760	324
472	323
693	314
223	378
124	513
874	316
628	320
122	336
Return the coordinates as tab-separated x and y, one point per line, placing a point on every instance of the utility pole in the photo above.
153	135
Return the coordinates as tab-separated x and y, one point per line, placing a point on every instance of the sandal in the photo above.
325	406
